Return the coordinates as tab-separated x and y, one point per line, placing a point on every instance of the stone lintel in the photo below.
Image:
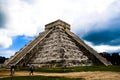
58	24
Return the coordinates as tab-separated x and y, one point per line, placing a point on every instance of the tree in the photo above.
115	59
2	59
106	55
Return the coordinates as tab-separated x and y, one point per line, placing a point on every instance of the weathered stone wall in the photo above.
58	49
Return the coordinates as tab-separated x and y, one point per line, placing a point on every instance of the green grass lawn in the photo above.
39	78
76	69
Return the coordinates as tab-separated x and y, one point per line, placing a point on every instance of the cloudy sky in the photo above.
97	22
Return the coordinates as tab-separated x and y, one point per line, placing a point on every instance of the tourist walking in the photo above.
31	69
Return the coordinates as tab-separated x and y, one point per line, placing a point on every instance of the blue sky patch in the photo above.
20	41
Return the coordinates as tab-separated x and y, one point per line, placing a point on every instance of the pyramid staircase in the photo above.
21	54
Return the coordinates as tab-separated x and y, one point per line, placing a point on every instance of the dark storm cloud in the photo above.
2	19
106	36
2	14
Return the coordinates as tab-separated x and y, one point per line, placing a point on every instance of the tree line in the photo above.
114	58
2	59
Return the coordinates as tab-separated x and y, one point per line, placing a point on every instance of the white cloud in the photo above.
104	48
83	13
5	40
7	53
98	12
28	17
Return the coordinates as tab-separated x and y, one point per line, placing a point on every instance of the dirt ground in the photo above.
97	75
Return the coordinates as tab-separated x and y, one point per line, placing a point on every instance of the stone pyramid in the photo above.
57	46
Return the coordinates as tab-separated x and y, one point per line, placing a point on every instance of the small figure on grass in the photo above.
12	69
31	69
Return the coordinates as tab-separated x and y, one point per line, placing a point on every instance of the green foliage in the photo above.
39	78
76	69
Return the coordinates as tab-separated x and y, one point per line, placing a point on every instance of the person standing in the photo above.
31	69
12	70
